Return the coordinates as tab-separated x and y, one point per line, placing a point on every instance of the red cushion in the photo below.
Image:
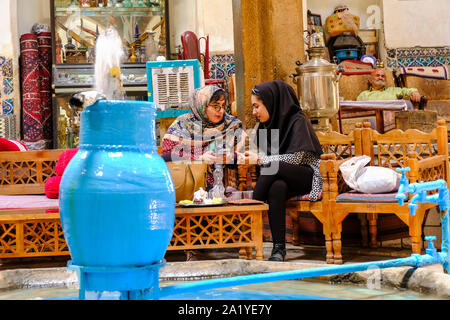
64	160
11	145
51	187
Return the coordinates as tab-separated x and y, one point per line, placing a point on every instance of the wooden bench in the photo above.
37	232
427	156
32	232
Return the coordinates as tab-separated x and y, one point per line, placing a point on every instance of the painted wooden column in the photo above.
267	43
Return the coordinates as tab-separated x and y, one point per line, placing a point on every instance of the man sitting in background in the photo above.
379	91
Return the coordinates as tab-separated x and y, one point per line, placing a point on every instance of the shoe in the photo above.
278	252
193	255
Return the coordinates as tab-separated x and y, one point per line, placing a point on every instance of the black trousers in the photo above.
290	180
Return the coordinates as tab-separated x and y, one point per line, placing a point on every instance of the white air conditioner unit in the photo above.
8	126
171	83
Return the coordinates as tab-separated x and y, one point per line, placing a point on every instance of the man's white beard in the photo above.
380	83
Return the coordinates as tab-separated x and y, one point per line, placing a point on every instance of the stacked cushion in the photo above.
64	160
11	145
52	184
52	187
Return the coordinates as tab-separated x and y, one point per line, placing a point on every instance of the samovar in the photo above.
318	88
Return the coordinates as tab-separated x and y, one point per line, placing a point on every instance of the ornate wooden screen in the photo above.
343	147
393	149
31	234
208	231
26	172
219	227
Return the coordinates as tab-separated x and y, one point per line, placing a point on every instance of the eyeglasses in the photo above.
217	107
255	91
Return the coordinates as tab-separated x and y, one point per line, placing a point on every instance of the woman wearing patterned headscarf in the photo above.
286	140
207	133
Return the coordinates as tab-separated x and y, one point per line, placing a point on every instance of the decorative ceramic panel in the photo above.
221	66
7	89
418	57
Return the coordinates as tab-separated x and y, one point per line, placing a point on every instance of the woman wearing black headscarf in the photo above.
295	155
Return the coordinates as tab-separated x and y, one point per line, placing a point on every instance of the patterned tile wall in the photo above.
221	65
418	57
7	88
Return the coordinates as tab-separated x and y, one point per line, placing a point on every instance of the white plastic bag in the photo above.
370	179
351	170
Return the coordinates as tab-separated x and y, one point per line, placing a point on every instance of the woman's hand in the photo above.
209	157
248	158
240	157
228	158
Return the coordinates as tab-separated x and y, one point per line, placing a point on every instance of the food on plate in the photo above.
200	196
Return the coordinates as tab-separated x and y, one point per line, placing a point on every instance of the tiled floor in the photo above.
306	254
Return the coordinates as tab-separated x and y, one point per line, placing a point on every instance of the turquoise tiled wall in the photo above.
418	57
221	66
7	90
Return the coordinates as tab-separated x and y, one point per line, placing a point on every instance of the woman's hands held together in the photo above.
249	158
209	157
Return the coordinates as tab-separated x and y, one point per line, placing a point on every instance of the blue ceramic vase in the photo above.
117	199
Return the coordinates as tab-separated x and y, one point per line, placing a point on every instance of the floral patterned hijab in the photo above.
194	128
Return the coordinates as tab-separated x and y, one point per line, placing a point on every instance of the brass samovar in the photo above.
318	89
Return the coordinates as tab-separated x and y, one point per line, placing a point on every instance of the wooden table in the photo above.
37	232
229	226
374	106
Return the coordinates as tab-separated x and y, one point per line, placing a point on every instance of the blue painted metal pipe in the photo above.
442	199
414	260
445	239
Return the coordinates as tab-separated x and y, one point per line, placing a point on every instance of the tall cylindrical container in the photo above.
117	199
318	89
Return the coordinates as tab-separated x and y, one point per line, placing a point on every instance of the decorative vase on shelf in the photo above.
127	4
117	199
62	3
85	3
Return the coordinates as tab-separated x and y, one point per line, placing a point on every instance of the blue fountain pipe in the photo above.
415	260
445	239
441	198
420	189
402	189
432	256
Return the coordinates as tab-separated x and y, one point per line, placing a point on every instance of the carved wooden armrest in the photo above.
328	165
324	160
332	164
428	169
333	183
